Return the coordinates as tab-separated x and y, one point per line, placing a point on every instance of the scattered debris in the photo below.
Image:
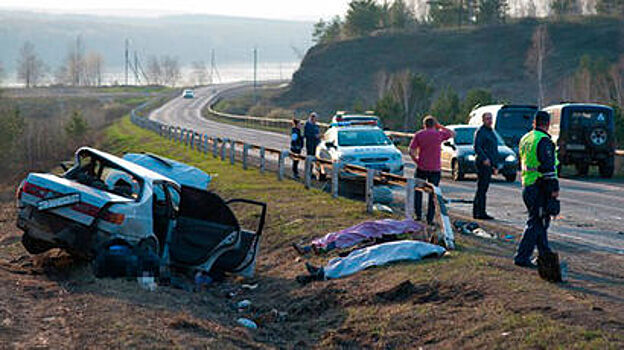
243	304
147	283
202	280
473	228
249	286
245	322
382	208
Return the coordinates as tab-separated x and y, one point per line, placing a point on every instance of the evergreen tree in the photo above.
363	17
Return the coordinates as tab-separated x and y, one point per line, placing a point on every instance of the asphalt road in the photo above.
592	209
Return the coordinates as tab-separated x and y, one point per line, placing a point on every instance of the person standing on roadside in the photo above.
487	162
425	152
540	189
312	134
296	145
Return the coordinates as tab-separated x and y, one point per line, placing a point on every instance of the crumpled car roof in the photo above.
183	174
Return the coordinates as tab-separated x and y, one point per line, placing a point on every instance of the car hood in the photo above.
359	151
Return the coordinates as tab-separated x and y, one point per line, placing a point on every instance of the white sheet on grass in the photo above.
379	255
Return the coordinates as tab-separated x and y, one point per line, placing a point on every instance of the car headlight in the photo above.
471	158
510	158
347	158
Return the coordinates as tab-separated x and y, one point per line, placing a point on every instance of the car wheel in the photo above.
35	246
607	168
456	171
582	169
511	177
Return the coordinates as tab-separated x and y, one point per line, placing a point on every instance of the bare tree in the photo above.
540	49
93	65
200	72
413	92
75	63
30	68
383	83
171	70
154	71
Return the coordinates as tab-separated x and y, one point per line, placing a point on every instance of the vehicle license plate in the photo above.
62	201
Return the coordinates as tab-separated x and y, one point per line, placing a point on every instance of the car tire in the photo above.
582	169
35	246
456	171
607	168
510	177
151	244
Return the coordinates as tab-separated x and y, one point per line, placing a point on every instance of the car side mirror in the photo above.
449	144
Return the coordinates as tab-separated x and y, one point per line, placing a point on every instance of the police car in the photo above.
359	143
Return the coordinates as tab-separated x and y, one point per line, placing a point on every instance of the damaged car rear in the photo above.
143	200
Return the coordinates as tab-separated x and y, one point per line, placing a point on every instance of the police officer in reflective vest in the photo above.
541	187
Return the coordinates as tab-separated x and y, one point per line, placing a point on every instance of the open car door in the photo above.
208	236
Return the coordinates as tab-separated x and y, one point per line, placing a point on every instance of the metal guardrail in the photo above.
228	149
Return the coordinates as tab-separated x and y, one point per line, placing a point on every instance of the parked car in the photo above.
585	136
144	200
364	145
188	93
344	118
458	155
510	121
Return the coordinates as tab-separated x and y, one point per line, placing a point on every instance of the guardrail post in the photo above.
192	139
262	159
232	151
245	154
307	171
409	198
282	164
215	147
335	178
370	177
223	145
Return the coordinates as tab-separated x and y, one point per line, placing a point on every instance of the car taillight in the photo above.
92	210
114	218
35	190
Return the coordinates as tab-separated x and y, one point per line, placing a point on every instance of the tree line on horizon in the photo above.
366	17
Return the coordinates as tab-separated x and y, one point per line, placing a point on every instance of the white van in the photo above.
510	121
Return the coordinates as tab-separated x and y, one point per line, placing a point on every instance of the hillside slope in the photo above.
337	75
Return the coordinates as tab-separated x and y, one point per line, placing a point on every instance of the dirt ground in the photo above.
472	298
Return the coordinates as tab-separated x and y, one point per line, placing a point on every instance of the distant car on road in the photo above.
510	121
188	93
363	145
585	136
458	155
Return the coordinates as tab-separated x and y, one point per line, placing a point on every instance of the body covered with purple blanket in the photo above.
366	231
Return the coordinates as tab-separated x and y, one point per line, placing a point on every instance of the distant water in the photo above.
224	74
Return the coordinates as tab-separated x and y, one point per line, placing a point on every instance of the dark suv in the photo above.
585	135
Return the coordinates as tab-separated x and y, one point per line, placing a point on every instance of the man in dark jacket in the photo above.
541	187
312	134
486	161
296	145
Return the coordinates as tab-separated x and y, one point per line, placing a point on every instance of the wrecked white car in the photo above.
142	199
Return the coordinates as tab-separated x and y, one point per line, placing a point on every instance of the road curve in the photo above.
592	210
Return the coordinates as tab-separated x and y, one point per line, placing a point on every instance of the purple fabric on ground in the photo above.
366	231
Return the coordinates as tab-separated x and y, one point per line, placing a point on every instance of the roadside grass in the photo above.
471	298
143	89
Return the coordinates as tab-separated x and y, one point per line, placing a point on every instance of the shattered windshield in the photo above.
103	175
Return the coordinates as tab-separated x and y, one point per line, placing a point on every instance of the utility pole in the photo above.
137	79
126	61
255	74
